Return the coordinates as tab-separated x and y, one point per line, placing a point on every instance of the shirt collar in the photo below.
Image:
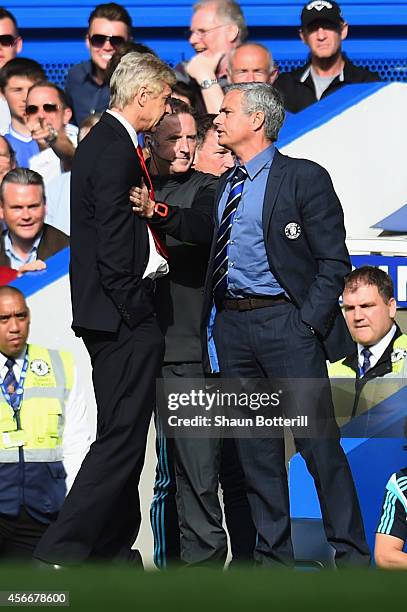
378	349
260	161
19	360
128	127
257	163
8	245
307	72
19	136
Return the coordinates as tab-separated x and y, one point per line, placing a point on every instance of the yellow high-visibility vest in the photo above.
42	412
375	390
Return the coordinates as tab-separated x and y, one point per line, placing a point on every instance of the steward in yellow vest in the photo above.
40	414
354	394
31	440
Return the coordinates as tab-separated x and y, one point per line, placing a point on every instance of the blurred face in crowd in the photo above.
173	144
44	105
14	323
6	163
10	42
16	92
23	210
250	64
211	157
103	38
324	39
209	32
368	316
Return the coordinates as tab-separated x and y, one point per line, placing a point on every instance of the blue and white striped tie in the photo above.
367	353
220	270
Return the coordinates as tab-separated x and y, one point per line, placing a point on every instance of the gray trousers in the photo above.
197	464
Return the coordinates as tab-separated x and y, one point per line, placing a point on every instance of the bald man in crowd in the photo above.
251	62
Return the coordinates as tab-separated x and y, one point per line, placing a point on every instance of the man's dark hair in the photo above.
11	152
204	125
127	47
179	107
112	12
61	94
22	176
21	67
370	275
5	14
185	90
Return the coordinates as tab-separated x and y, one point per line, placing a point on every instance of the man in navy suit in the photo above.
114	262
275	274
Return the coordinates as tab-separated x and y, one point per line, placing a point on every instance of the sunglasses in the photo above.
32	109
98	40
7	40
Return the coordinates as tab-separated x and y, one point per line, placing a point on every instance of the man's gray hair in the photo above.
228	11
251	44
22	176
134	71
265	98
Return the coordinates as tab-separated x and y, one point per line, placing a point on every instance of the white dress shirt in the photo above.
76	437
47	162
378	349
157	265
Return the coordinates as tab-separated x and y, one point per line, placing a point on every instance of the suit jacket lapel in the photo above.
275	178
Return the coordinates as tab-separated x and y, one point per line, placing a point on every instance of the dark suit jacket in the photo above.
311	267
109	244
52	241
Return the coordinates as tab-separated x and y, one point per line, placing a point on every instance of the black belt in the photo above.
251	303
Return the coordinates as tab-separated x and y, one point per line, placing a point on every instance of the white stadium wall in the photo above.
360	137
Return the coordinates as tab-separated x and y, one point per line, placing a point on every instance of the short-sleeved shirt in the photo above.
393	520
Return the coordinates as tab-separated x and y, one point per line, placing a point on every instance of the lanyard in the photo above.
159	244
20	387
145	172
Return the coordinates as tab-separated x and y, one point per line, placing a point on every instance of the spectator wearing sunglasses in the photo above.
48	116
86	86
16	78
10	44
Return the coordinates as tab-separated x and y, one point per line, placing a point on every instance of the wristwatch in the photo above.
208	83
